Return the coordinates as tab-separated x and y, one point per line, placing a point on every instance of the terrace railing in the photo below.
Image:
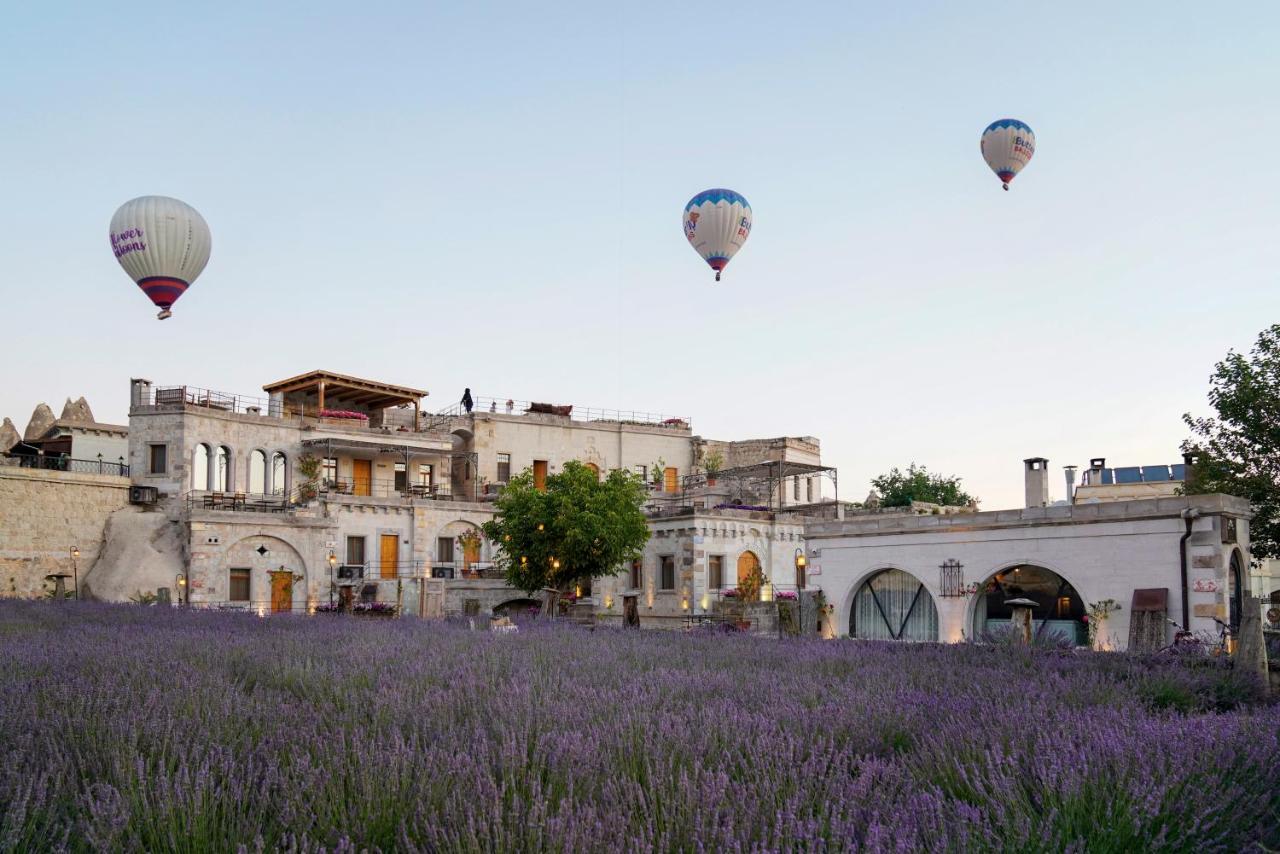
59	463
389	488
507	406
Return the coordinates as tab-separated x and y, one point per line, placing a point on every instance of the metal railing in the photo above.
58	463
388	488
171	397
241	501
509	406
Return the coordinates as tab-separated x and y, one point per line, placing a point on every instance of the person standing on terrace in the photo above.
467	402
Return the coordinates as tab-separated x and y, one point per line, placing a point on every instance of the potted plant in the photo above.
712	464
470	542
659	472
309	468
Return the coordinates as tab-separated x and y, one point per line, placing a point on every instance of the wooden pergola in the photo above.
337	390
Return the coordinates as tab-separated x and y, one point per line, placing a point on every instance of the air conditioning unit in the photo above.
143	495
351	571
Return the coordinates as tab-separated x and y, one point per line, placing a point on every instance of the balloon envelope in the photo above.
1007	146
163	244
717	223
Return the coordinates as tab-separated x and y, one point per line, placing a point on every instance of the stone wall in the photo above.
43	515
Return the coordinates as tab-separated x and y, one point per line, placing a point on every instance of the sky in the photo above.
490	195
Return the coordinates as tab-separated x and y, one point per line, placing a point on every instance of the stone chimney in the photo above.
1037	473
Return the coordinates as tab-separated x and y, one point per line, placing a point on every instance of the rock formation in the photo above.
8	436
77	411
41	420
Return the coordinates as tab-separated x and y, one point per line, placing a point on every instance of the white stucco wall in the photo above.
1104	551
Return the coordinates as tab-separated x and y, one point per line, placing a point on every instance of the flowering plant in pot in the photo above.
374	609
346	414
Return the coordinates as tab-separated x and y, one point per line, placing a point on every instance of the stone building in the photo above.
1158	556
332	487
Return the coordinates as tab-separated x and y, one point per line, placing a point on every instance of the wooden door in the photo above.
470	551
362	479
281	591
750	578
540	475
595	469
389	554
670	479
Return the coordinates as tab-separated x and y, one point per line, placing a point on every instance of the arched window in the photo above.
221	469
1235	590
257	472
200	467
893	605
279	478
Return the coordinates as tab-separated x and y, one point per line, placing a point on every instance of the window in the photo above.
715	572
330	470
504	468
221	468
808	485
637	575
444	550
279	474
200	468
424	475
643	471
257	472
239	585
402	477
668	577
355	551
158	459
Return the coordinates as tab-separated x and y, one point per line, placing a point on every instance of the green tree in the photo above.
579	528
1238	452
899	488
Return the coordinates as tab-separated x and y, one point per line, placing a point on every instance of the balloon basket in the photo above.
164	314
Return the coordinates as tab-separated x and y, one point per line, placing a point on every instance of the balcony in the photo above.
61	463
388	488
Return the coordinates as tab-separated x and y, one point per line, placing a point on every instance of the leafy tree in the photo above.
899	488
579	528
1238	452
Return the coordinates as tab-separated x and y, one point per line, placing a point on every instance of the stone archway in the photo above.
1060	609
893	604
460	544
518	608
277	574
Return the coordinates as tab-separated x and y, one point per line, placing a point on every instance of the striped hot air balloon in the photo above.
163	244
717	223
1007	146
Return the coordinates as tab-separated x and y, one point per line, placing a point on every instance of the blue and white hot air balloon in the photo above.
1007	146
717	223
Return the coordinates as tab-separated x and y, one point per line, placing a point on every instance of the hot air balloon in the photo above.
717	223
1007	146
163	244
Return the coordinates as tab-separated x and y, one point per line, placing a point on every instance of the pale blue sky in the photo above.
490	195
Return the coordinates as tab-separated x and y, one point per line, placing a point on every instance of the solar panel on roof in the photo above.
1129	474
1155	474
1179	472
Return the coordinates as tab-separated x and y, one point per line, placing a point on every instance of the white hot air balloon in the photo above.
1007	146
717	223
163	244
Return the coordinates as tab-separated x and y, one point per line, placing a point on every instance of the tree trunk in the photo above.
550	602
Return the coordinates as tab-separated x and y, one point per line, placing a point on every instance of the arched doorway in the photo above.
1059	610
594	469
1235	590
893	605
750	576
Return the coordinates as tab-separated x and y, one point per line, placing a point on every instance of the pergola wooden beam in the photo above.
326	385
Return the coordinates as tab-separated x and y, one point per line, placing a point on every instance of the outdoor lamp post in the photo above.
802	562
182	590
75	569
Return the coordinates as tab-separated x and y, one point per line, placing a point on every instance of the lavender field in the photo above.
130	728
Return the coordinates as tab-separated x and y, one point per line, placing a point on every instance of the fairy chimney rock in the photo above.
8	436
41	420
77	411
